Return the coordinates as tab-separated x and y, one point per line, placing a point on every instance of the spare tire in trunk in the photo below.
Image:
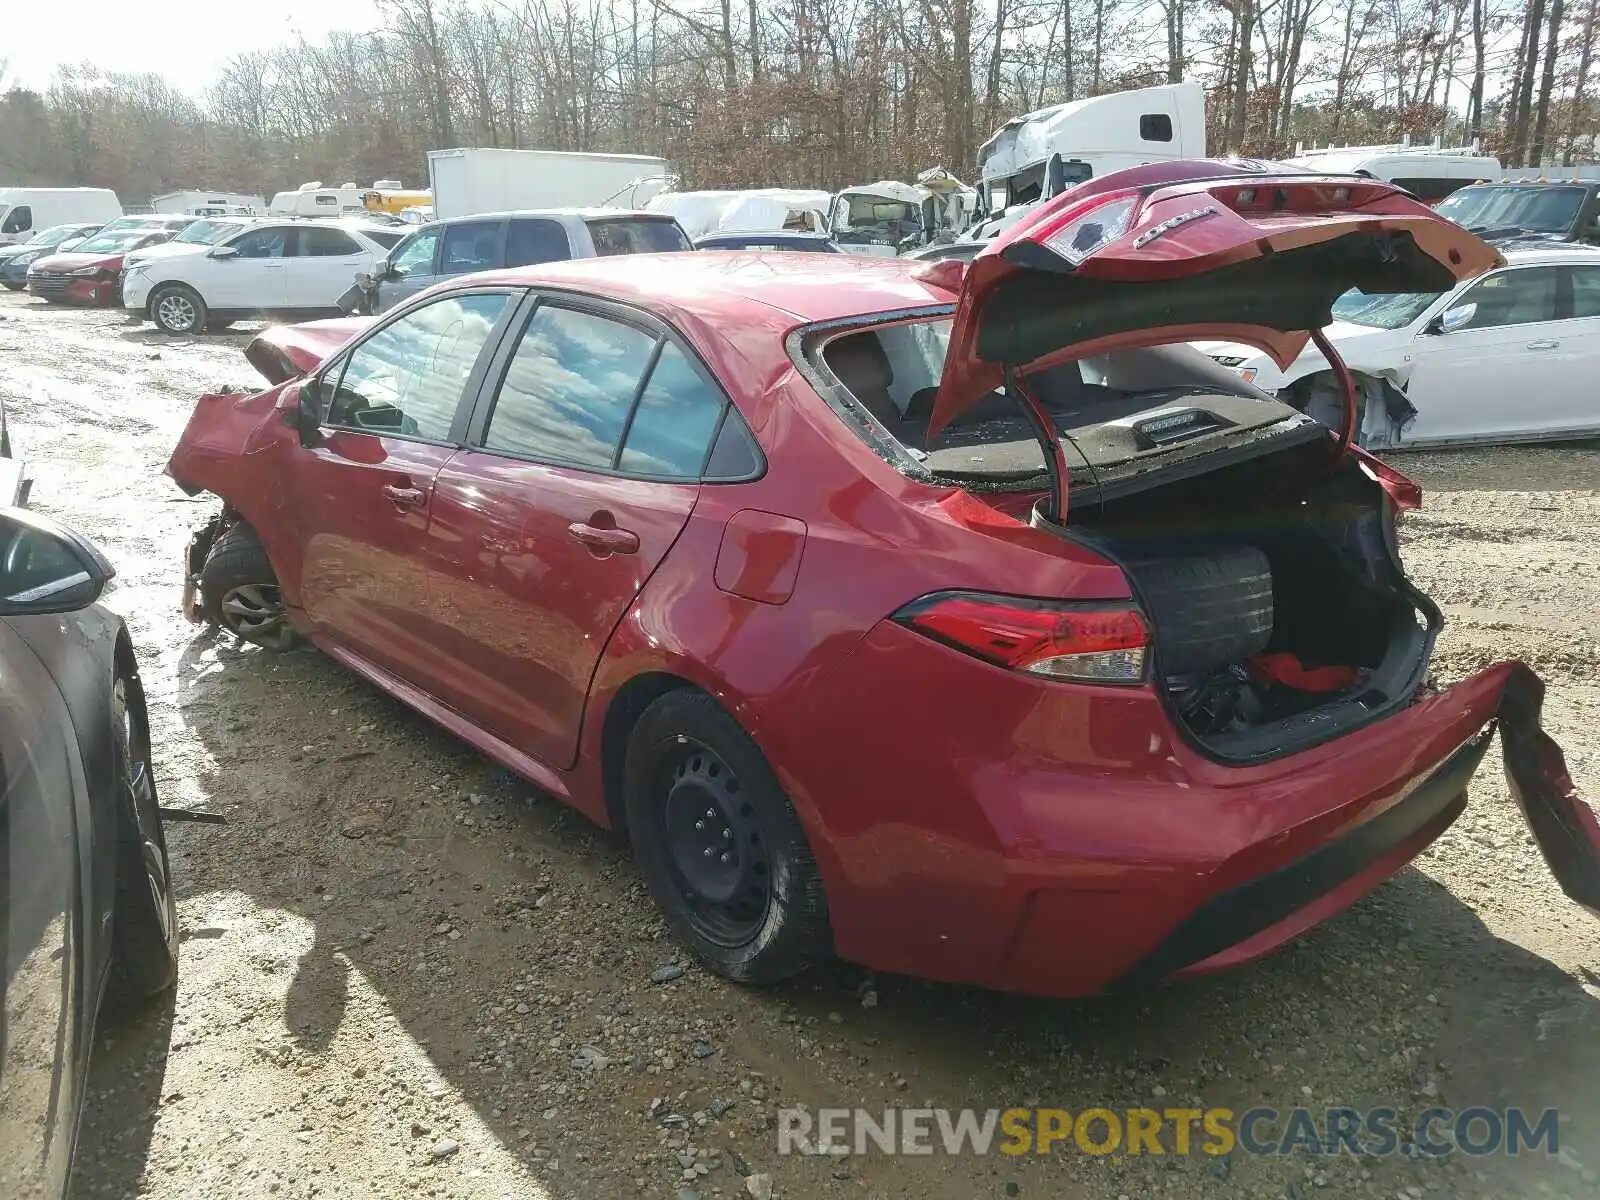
1209	609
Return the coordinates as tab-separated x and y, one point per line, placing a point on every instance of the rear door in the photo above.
323	263
392	415
1496	376
585	459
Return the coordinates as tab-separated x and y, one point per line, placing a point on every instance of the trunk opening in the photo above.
1281	616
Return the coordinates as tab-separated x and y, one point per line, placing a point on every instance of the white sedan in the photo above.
1509	356
294	269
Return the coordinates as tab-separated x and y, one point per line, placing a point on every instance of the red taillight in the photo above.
1087	643
1404	492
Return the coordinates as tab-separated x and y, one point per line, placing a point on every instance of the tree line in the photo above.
818	93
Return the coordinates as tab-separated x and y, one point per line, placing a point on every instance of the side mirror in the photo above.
222	252
302	408
1453	319
46	567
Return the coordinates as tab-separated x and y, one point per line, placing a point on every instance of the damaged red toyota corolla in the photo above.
961	623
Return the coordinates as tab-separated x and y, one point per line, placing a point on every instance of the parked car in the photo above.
1516	213
769	569
768	240
91	272
15	260
1509	356
272	268
443	249
86	898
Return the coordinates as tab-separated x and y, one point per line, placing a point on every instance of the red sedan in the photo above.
957	620
91	272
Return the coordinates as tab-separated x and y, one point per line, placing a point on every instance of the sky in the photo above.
187	46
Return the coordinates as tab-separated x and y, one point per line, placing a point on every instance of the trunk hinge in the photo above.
1055	458
1352	410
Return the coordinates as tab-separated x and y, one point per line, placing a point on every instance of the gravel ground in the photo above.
405	974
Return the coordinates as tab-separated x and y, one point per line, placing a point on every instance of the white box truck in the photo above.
208	204
24	211
481	180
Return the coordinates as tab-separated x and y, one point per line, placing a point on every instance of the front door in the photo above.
412	268
1466	384
361	496
252	278
584	466
42	816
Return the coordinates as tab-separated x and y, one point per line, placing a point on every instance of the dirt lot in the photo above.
395	955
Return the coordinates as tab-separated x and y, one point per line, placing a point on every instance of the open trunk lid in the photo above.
286	352
1187	251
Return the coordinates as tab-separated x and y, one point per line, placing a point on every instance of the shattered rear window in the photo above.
1129	409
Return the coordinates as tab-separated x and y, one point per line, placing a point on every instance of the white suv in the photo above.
295	269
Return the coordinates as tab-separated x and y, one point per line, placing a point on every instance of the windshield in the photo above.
1120	412
637	235
1382	312
55	235
1538	208
112	243
208	233
866	212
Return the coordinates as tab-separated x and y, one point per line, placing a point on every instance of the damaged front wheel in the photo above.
239	591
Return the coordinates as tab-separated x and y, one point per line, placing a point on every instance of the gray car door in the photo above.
41	930
413	266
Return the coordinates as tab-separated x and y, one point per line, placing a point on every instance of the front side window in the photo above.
262	243
407	379
322	242
1518	297
1155	127
18	220
416	256
567	392
470	247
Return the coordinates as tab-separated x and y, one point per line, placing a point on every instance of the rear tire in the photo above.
719	844
176	308
145	916
239	591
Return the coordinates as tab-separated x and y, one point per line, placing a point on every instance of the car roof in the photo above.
1560	253
711	286
766	235
582	214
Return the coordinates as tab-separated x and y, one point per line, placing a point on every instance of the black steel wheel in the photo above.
720	845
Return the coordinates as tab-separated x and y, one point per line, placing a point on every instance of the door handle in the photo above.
404	497
1545	344
604	540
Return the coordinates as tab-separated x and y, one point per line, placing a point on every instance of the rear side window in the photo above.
1585	291
470	247
637	235
406	379
319	242
18	220
588	391
536	241
676	418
